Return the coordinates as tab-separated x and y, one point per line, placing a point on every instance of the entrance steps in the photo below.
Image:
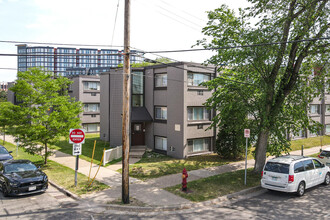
137	151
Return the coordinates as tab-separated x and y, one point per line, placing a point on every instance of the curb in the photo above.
218	200
66	192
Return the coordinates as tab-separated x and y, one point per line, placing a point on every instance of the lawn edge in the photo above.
64	191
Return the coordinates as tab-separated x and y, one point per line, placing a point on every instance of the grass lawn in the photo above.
154	165
59	174
87	148
310	142
216	186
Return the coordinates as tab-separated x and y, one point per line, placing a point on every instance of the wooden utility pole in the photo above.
126	105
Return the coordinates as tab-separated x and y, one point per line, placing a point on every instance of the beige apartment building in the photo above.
86	89
167	113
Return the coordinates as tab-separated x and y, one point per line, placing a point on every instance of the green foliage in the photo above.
3	96
273	81
45	112
149	62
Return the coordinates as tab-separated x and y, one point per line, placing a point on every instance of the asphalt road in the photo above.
315	204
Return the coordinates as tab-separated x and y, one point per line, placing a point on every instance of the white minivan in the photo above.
294	174
324	156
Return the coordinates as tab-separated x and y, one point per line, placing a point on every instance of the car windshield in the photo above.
3	151
277	167
325	153
19	167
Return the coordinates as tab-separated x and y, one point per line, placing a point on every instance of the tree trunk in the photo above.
46	153
261	150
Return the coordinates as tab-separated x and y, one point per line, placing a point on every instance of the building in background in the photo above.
167	113
70	61
3	86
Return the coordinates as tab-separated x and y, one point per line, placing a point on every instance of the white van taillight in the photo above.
262	174
291	178
320	156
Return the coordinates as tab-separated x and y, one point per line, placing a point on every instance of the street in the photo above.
265	205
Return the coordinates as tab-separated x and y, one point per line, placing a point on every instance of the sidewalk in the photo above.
151	191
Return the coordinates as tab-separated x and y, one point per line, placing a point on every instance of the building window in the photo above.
137	89
91	127
198	145
314	109
161	113
327	128
92	107
161	80
195	79
93	94
201	92
327	108
93	116
161	143
198	114
199	126
300	134
91	86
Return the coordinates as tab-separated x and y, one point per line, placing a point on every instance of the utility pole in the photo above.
126	106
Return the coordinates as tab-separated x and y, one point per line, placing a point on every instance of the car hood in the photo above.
5	157
27	175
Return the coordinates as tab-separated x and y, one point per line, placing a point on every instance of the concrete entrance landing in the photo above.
137	151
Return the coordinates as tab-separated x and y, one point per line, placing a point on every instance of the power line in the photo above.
179	16
240	46
172	18
187	13
114	27
67	44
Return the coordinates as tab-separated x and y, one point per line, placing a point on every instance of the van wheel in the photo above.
327	179
301	189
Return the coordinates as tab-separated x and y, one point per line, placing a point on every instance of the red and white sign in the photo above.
77	136
247	133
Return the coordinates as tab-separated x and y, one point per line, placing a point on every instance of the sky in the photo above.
155	25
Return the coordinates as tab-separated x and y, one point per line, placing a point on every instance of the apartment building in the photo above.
70	61
3	86
86	89
167	113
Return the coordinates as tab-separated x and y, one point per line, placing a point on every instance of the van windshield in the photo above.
277	167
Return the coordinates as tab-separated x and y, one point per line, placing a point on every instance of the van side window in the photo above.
299	167
308	165
317	164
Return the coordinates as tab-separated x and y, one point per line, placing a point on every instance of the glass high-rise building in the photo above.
68	61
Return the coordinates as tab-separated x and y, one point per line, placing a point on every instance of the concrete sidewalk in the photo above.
149	192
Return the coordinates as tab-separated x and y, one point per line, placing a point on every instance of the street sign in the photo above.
76	149
247	133
77	136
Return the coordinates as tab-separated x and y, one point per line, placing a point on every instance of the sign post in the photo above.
76	137
246	135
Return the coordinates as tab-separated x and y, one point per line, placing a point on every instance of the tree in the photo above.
277	75
45	111
3	96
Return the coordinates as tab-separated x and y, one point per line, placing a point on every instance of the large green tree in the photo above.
277	75
45	111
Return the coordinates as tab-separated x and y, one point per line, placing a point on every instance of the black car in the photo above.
4	154
21	177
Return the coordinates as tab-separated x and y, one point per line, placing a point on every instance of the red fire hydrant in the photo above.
184	179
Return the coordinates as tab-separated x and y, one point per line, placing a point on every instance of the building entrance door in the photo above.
138	134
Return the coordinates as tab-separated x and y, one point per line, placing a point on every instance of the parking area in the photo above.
14	207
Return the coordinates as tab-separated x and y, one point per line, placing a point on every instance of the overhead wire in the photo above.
114	27
172	18
237	46
57	44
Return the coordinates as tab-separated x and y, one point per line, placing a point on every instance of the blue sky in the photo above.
155	25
